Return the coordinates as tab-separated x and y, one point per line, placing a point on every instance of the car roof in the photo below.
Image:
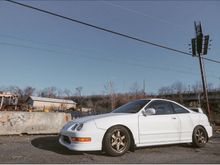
158	99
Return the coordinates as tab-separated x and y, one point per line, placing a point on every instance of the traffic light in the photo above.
193	43
200	43
206	45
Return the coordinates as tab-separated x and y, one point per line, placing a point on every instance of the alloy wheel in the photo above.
118	141
201	136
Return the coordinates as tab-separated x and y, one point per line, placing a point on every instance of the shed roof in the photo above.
45	99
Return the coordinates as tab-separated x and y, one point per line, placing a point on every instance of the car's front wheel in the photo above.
117	141
200	137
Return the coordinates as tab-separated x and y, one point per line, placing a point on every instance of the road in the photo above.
46	149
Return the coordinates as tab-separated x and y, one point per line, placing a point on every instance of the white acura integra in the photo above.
136	124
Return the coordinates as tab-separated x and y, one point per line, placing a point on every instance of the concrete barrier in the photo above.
12	123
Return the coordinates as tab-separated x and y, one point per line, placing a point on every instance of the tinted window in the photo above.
179	109
194	109
131	107
161	107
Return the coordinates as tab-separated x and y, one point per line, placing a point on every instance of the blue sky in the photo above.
40	50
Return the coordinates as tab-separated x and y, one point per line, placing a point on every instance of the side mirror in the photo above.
149	111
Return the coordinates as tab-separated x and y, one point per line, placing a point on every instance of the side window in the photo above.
161	107
179	109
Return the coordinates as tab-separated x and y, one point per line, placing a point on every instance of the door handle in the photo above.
174	118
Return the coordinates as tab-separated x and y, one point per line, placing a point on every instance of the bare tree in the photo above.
67	92
60	93
16	90
90	103
178	87
135	89
50	92
165	90
28	91
210	87
79	96
79	91
197	88
219	84
110	88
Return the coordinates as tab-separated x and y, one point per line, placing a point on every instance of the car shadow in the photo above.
51	143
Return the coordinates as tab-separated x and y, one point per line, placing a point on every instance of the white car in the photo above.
138	123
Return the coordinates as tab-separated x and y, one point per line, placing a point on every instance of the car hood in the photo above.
108	120
96	117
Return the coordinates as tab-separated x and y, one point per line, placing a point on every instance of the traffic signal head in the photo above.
193	43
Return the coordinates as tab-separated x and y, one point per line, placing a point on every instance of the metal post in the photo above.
204	86
2	101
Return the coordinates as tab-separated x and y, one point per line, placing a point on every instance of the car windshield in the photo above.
131	107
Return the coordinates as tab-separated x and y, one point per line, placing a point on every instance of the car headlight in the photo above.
77	127
67	125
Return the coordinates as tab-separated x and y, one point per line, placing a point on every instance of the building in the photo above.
41	103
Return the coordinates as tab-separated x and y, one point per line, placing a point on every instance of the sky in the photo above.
40	50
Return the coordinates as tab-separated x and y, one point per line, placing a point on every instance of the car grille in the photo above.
66	139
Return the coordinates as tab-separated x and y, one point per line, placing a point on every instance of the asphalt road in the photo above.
46	149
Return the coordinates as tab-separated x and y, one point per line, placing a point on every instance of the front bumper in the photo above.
94	145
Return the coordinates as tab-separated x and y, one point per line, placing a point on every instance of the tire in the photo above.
200	137
117	141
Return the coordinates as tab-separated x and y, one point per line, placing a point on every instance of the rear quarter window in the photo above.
178	109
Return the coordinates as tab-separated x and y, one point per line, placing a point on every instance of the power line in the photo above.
106	30
211	60
56	45
144	15
128	63
152	17
28	40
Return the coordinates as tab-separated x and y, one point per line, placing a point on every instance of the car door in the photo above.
185	122
161	128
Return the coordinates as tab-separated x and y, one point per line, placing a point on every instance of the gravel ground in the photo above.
46	149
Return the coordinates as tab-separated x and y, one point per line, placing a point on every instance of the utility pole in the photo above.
200	47
144	87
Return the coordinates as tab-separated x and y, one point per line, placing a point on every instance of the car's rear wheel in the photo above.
200	137
117	141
